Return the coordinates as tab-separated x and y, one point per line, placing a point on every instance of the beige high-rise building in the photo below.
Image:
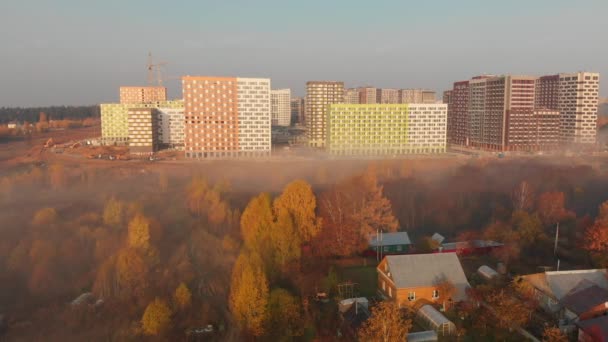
387	95
367	95
143	131
281	107
319	95
351	95
133	95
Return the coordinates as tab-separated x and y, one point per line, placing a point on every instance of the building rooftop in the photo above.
580	301
389	239
560	283
424	270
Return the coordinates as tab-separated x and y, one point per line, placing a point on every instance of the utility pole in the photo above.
556	237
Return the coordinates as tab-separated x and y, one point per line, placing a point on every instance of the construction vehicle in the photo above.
76	144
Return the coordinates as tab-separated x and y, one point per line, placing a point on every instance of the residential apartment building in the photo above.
367	95
319	95
578	97
416	96
351	95
133	95
115	119
143	132
297	110
171	127
281	107
387	95
458	118
386	129
226	117
524	112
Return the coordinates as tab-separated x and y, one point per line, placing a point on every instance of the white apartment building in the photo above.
171	127
427	128
254	116
281	107
578	103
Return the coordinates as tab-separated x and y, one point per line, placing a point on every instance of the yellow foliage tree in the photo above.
156	318
386	324
182	297
113	212
139	232
256	223
249	294
300	203
131	273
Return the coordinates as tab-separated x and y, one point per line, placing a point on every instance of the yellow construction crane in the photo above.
152	67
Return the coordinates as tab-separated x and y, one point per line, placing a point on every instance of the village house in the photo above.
407	279
388	243
571	295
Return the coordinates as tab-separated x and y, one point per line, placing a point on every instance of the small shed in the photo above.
487	272
438	237
422	336
435	320
346	304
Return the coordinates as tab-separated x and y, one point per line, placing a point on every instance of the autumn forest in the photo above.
161	251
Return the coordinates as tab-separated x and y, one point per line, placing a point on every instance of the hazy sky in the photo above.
80	51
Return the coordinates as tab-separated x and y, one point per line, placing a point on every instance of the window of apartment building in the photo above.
411	296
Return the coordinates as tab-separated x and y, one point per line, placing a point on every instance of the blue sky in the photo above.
80	52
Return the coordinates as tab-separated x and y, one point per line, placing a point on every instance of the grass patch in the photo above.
365	277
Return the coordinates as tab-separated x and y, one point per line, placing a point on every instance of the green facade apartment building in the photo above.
115	119
386	129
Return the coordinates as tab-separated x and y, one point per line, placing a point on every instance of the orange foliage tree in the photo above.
551	207
554	334
350	212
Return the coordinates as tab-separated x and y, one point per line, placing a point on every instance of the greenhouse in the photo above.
434	320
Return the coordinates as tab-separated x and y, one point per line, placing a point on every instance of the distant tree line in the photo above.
53	113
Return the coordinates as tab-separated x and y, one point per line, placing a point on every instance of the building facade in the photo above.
134	95
319	95
281	107
226	117
386	129
143	131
